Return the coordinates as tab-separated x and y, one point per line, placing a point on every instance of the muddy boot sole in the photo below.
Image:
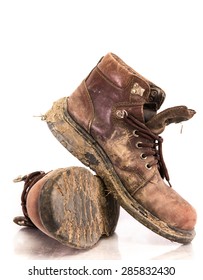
76	209
78	142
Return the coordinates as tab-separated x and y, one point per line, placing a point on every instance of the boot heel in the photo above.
72	206
70	135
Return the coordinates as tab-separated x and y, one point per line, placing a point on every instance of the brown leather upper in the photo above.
112	90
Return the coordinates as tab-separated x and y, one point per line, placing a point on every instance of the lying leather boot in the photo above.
70	205
110	123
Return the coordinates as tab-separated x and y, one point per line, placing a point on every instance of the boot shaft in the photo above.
112	84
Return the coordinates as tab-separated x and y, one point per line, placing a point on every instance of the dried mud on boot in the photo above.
80	143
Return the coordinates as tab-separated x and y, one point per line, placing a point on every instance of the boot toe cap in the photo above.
167	205
185	218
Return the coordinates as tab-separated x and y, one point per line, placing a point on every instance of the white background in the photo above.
46	49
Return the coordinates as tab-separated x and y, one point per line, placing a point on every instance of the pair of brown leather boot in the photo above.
110	123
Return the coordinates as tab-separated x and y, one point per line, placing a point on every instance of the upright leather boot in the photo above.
110	123
70	205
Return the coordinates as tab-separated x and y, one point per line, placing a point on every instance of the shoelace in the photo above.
29	180
154	144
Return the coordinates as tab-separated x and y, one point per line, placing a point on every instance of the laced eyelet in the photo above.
143	156
135	133
121	114
138	145
148	166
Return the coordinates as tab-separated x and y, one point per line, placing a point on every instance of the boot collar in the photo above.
122	75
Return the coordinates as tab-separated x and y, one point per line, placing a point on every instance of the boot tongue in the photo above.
158	122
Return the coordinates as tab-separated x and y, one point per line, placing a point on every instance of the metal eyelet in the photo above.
138	145
147	166
143	156
135	133
153	94
121	114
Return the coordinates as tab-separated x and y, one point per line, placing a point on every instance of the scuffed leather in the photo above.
110	86
166	204
81	107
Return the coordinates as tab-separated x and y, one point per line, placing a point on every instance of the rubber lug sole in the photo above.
76	209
